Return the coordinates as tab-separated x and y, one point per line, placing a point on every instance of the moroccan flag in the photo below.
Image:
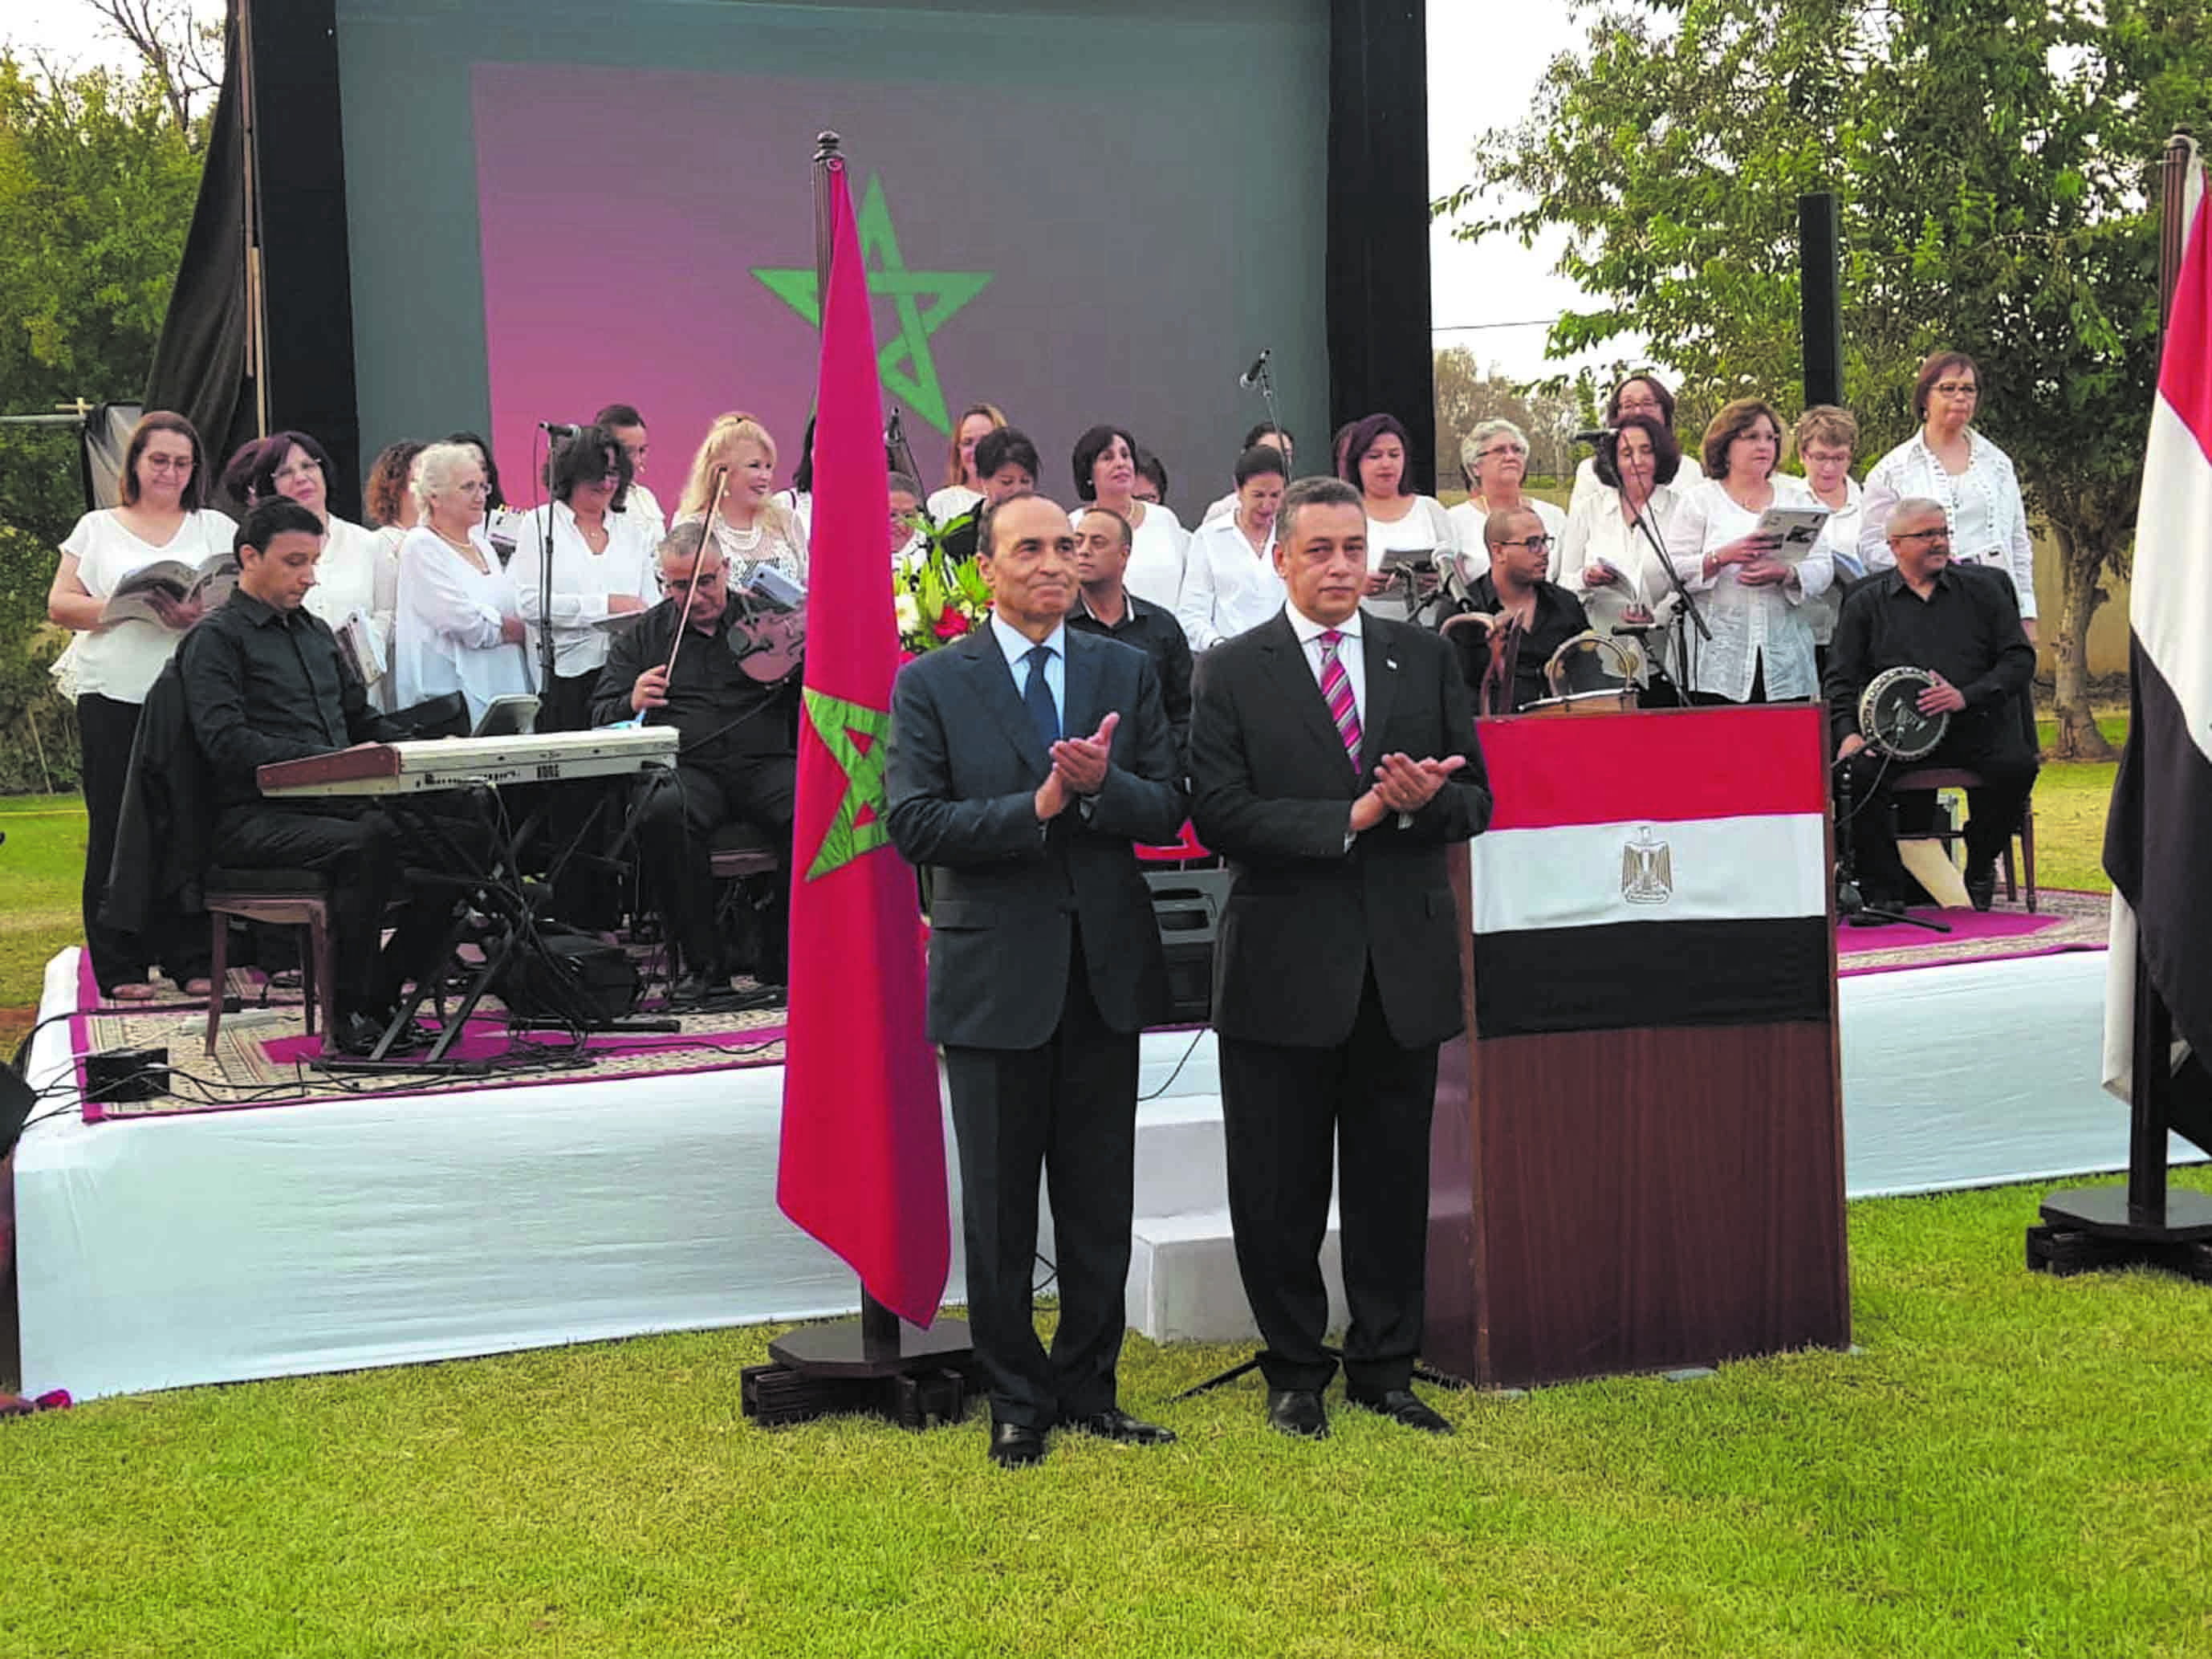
862	1166
2158	838
1653	870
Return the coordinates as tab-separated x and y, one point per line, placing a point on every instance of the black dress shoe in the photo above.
699	988
1402	1406
1016	1445
1982	885
1115	1423
1297	1412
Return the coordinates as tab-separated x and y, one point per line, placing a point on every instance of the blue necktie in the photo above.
1038	695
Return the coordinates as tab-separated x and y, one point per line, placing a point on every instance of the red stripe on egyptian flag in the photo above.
1664	768
862	1163
2182	379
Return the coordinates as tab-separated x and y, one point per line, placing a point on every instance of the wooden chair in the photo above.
738	851
1932	778
278	898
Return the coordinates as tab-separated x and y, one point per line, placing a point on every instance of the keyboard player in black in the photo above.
264	681
734	698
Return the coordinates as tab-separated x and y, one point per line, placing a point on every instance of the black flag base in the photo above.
2142	1225
876	1365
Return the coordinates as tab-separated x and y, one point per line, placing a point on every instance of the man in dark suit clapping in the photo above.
1024	761
1340	966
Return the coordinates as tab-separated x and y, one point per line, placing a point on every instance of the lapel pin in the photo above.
1390	662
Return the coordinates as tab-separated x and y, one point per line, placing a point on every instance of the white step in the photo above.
1184	1284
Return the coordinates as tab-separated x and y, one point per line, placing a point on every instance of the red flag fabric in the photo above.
862	1166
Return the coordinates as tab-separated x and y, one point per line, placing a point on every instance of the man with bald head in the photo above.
1026	760
1543	615
1961	624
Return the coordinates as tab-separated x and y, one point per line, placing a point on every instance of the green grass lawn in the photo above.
41	868
2012	1465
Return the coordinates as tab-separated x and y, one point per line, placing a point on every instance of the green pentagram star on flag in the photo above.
924	301
839	724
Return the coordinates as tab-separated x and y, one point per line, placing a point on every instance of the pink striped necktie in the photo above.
1336	692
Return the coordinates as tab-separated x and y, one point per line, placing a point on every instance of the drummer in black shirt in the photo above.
264	682
1514	589
1961	624
738	762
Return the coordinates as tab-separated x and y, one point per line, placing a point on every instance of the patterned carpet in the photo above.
2063	921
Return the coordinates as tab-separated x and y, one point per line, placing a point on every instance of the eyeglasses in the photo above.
1496	449
1534	543
1938	535
299	470
479	488
168	463
1957	388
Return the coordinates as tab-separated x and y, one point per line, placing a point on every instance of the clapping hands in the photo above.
1079	767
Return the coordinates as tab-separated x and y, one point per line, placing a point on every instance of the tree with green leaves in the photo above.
1994	165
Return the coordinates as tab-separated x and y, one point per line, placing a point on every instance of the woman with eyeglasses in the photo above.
460	624
1493	459
358	573
1761	648
112	666
1640	394
602	570
1948	461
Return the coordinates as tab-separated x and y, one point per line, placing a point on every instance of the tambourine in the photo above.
1593	662
1890	718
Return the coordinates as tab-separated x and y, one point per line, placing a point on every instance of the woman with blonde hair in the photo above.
459	625
962	488
749	526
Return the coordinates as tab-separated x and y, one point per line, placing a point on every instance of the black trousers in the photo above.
590	890
356	847
1989	743
105	729
1283	1111
1069	1110
683	808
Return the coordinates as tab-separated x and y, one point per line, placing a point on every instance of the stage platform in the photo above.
382	1229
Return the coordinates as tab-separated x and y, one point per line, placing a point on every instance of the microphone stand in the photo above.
1685	678
545	656
1265	380
1850	903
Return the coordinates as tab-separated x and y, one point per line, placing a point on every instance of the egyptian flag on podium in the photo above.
2158	836
862	1164
1652	871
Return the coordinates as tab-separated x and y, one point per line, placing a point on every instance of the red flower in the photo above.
951	625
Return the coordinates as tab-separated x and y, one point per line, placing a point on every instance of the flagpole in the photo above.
2144	1224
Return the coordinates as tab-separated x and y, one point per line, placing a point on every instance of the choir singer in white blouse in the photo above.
1229	580
459	625
1761	649
1948	461
1611	561
602	568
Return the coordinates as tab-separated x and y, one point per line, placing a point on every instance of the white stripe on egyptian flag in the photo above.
1647	871
2160	827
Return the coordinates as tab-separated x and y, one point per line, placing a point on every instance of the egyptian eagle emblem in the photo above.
1647	868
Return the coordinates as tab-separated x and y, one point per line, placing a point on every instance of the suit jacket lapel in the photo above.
1078	710
995	688
1294	683
1382	694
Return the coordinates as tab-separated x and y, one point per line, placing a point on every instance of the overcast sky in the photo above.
1498	44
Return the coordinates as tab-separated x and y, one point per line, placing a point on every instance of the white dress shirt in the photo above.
583	582
1156	553
1018	646
643	505
1227	589
949	503
1220	509
1350	651
1983	506
1596	532
447	637
1749	624
1467	521
1840	536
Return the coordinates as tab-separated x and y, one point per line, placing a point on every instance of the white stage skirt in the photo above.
217	1246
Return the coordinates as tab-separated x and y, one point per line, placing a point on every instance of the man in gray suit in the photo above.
1025	761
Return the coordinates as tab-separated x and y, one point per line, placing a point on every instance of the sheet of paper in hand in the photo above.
1798	527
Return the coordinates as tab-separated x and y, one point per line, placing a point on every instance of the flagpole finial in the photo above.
828	147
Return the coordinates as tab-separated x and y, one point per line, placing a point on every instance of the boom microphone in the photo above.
1250	377
1597	435
555	429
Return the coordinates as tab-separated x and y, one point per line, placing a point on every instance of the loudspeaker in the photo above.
1186	907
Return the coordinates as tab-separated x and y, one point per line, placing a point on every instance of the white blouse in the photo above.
123	660
1155	556
1988	520
1427	528
1596	532
1749	624
359	571
1468	520
1586	478
446	634
775	539
800	506
950	502
583	581
1840	536
1227	589
643	507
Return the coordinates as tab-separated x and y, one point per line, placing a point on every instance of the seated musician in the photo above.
1542	615
1961	624
264	681
739	762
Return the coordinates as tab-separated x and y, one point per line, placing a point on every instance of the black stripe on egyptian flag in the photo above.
1634	974
2158	840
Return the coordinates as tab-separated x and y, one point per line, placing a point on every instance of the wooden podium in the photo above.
1637	1156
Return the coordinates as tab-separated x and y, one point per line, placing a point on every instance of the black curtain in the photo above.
199	364
1378	222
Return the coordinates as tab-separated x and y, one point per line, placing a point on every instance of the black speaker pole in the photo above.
1820	297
